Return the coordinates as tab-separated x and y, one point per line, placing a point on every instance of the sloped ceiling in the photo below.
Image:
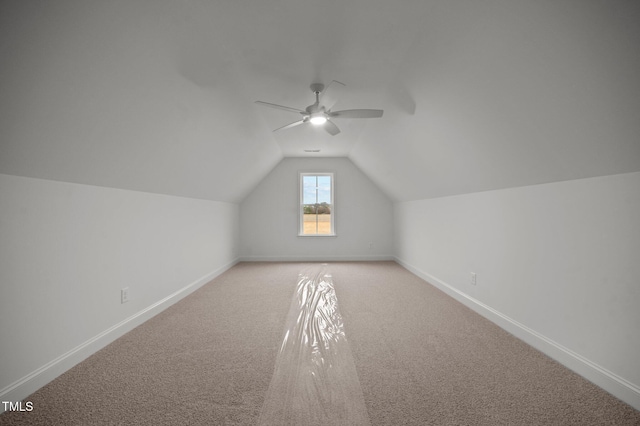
159	95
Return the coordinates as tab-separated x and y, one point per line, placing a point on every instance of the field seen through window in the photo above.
317	224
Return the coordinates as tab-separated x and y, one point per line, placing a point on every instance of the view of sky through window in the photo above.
323	187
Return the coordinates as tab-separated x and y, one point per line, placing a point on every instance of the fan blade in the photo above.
288	126
357	113
276	106
329	95
331	128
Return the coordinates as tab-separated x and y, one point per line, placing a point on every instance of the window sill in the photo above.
317	235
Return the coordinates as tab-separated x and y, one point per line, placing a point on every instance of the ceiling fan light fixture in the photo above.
318	119
320	113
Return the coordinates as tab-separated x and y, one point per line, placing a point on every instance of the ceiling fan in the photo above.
319	113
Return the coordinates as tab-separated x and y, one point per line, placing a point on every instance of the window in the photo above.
317	216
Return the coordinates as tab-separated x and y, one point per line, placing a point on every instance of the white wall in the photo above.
557	265
66	250
269	216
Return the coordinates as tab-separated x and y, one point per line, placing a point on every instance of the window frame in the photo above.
301	176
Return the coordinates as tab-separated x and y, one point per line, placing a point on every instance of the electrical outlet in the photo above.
124	295
370	246
473	278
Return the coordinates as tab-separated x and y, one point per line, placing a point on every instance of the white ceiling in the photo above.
159	95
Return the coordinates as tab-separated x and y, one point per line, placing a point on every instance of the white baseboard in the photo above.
612	383
22	388
316	258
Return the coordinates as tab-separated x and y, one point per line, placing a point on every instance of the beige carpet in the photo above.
420	357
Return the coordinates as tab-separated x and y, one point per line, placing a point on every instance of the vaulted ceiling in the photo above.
158	95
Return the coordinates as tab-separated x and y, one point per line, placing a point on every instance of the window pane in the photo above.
316	205
324	189
309	189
